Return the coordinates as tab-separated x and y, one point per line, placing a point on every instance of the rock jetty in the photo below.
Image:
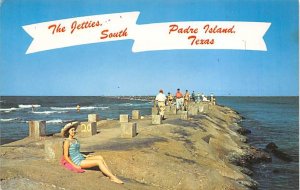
205	150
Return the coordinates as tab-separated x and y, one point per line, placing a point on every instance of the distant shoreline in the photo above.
141	96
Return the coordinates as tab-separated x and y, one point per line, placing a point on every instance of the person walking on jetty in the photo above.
204	98
198	97
170	99
212	99
193	96
186	100
179	100
161	103
73	156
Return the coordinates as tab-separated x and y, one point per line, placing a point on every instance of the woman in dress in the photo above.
72	154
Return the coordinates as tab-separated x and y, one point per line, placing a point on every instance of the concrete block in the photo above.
168	110
154	110
136	114
37	129
156	119
93	118
184	115
99	123
124	118
203	107
173	109
53	149
87	129
193	110
128	130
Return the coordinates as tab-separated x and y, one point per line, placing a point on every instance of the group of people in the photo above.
182	100
200	97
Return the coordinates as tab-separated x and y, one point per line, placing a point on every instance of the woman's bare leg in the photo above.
91	162
98	158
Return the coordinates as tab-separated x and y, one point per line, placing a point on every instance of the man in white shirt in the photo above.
204	99
161	102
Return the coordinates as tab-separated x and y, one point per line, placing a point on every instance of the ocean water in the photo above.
15	112
271	119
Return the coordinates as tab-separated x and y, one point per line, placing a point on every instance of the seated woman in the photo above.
76	159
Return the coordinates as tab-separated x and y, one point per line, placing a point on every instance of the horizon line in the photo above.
141	95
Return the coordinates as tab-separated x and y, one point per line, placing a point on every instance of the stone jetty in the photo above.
196	149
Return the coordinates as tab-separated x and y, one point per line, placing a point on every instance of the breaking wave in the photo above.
8	109
81	108
11	119
48	112
29	106
55	121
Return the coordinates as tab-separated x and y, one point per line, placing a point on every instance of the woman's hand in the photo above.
86	156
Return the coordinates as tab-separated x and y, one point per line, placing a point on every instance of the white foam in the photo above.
8	109
126	104
9	119
88	108
81	108
29	106
103	108
136	104
63	108
48	112
55	121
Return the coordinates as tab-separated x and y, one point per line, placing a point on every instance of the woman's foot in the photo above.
116	180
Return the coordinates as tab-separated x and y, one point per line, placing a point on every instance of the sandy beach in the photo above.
206	151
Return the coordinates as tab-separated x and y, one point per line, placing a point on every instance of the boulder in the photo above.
243	131
273	148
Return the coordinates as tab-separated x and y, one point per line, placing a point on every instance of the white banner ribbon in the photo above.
147	37
81	30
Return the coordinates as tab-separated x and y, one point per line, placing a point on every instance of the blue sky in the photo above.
112	68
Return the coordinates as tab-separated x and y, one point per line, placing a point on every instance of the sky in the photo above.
111	68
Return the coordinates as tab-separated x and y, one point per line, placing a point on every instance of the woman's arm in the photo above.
66	154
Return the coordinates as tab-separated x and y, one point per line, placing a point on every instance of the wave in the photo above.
29	106
54	121
103	108
11	119
136	104
126	104
8	109
48	112
81	108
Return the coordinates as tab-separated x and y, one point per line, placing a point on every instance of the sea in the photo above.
270	119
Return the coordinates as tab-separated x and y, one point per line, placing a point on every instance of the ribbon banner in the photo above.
147	37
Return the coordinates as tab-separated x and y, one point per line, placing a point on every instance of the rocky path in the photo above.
178	154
